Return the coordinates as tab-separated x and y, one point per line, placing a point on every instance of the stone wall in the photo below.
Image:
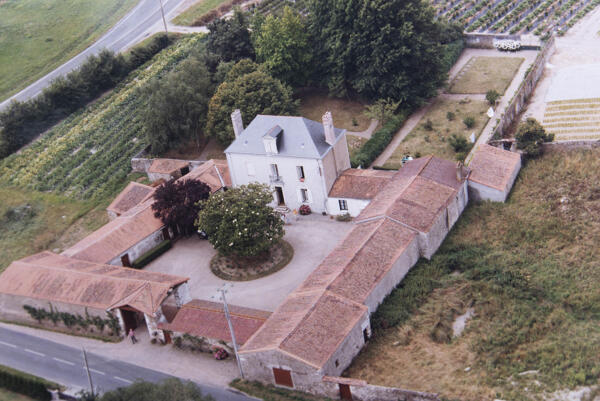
486	40
140	248
369	392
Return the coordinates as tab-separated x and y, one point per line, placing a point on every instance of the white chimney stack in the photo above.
328	128
238	124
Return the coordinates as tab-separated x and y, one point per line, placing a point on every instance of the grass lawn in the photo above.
435	141
481	74
36	36
6	395
314	104
529	269
196	11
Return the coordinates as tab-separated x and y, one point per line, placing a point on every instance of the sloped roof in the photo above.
493	167
417	193
214	173
133	194
207	319
301	137
360	183
167	166
53	277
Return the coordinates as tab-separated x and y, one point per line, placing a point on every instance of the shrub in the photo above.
469	122
450	116
428	125
492	96
530	136
152	254
343	217
305	210
378	142
459	143
25	384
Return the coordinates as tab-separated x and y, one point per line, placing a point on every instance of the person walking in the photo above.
132	336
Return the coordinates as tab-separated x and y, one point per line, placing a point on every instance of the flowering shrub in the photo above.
507	45
220	354
305	210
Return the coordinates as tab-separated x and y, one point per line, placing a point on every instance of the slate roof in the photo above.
301	137
58	278
494	167
360	183
207	319
133	194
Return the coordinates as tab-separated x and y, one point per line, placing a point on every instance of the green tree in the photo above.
169	389
381	49
229	38
177	105
530	137
240	221
492	96
382	110
282	45
254	93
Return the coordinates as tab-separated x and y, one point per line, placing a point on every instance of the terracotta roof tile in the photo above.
167	166
207	319
214	173
360	184
133	194
493	167
61	279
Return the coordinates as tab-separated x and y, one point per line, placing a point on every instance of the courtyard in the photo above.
312	237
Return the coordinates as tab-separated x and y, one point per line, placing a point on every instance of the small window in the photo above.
300	170
343	204
337	363
250	169
304	195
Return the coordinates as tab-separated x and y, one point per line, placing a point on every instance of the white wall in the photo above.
238	165
355	206
140	248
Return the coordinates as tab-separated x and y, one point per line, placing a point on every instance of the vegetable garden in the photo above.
577	119
88	154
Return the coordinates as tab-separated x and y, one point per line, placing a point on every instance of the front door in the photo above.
345	393
279	196
130	320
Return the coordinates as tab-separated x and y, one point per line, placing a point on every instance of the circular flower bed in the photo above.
245	269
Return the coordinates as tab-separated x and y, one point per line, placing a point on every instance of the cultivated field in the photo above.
482	74
37	36
529	271
570	120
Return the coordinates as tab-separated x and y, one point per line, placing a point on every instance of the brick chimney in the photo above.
459	172
328	128
238	124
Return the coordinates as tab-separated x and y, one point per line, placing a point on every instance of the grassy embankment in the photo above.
196	11
529	269
38	36
77	167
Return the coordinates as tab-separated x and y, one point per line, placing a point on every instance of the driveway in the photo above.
313	237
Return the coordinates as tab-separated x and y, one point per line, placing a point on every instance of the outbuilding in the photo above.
493	173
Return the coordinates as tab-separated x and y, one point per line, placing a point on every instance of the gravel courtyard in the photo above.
313	237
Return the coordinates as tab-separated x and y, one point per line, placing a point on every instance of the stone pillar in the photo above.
238	124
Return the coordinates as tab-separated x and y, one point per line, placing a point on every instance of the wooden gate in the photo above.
283	377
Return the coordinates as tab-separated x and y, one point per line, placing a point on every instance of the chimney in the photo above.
328	128
459	172
238	124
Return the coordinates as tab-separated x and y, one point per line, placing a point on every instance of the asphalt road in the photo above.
64	365
129	30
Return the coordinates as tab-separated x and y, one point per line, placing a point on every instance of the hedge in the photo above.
22	383
378	142
152	254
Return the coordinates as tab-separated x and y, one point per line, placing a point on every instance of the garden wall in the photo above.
519	100
362	391
486	40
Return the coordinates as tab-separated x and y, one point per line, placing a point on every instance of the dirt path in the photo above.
368	132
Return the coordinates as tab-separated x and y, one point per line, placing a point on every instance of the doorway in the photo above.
125	260
279	196
184	170
345	393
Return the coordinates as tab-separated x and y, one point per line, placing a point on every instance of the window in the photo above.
250	169
274	171
304	195
343	204
300	170
283	377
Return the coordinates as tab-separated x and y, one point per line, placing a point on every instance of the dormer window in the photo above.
271	138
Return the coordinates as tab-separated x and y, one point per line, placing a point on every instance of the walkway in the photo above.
368	132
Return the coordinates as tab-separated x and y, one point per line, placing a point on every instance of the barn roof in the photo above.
167	166
494	167
207	319
133	194
359	184
57	278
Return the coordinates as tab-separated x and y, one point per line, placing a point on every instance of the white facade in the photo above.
335	206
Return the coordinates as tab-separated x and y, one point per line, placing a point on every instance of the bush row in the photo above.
21	122
71	320
152	254
378	142
23	383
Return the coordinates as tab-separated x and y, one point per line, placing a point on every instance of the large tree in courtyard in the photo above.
530	137
379	48
253	93
240	222
177	203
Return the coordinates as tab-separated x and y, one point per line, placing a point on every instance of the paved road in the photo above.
64	365
135	26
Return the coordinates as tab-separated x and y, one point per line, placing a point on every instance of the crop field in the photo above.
87	156
528	270
571	120
37	36
514	16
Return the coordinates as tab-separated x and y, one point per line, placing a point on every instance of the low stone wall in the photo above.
142	164
362	391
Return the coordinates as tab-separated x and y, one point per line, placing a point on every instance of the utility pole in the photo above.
162	13
87	369
223	290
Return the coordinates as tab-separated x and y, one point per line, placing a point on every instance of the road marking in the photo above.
123	380
34	352
8	344
63	361
96	371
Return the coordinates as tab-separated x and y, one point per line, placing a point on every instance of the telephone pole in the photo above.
87	369
223	290
162	13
